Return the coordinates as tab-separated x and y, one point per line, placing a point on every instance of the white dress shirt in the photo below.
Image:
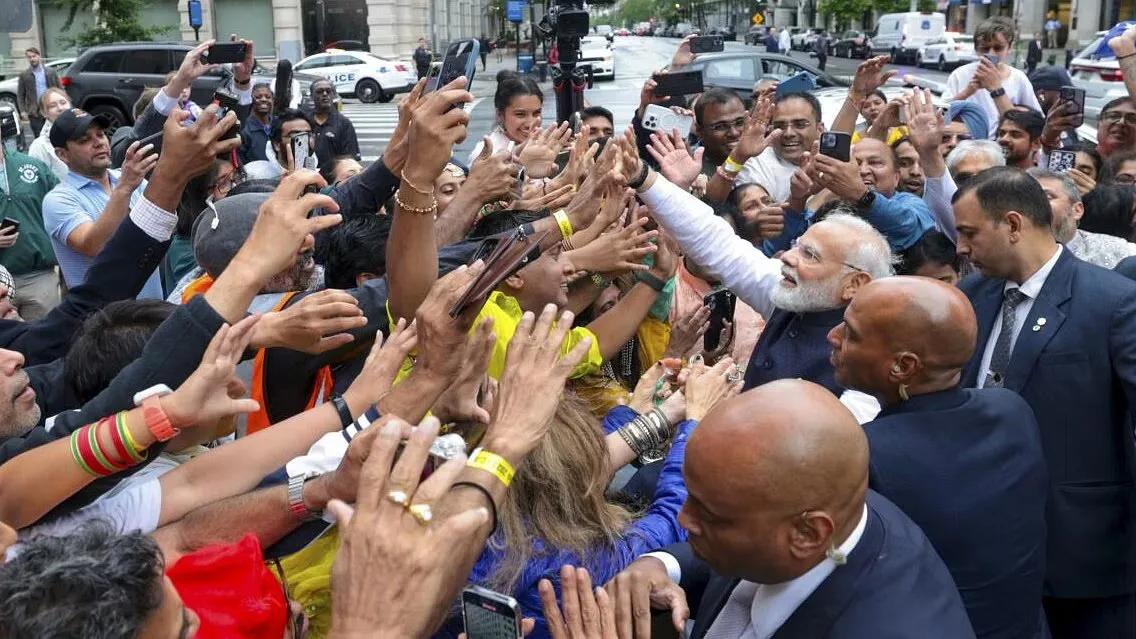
1031	288
770	172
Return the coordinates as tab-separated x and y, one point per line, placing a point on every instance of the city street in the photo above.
635	59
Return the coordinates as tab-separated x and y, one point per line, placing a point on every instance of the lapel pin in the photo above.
1041	321
1036	327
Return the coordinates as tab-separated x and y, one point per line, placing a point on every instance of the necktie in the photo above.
733	622
1000	359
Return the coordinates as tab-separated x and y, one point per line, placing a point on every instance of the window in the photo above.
314	63
147	62
780	69
106	62
731	69
341	61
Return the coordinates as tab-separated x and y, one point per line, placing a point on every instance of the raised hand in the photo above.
755	136
492	175
1084	183
1125	43
138	163
687	332
869	77
435	127
581	159
588	613
382	365
707	386
988	76
552	200
647	94
842	178
924	122
674	158
538	153
190	69
459	402
242	71
188	151
640	587
203	399
395	154
315	324
683	55
8	237
442	339
617	251
768	222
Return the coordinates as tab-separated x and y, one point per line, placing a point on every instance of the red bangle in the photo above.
88	454
116	439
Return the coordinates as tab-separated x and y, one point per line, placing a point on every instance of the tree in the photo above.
115	21
846	10
633	11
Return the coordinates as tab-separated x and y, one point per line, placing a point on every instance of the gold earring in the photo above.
903	392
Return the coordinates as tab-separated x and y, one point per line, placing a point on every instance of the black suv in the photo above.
108	79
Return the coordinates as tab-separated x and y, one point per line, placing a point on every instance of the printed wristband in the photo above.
564	223
494	464
732	165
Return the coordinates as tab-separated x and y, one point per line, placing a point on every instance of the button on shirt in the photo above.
1031	288
76	201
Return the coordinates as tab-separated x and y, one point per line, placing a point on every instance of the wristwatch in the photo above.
997	93
296	498
866	199
157	422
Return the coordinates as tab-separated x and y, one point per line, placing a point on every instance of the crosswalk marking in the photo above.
374	124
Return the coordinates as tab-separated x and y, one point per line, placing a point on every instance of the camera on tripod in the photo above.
567	19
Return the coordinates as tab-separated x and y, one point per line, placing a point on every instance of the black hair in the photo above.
933	248
1029	120
355	247
327	169
287	115
1113	163
881	95
109	340
261	85
503	221
801	95
511	84
735	197
1115	102
717	95
597	112
1003	188
1090	150
836	206
1108	209
261	185
92	583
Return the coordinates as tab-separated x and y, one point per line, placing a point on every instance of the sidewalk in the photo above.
485	82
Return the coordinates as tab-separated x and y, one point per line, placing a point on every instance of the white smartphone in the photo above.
658	118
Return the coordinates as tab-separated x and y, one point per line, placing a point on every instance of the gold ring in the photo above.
399	497
421	513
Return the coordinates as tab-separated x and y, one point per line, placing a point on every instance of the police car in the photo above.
361	74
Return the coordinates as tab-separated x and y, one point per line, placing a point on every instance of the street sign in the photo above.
515	11
195	14
758	19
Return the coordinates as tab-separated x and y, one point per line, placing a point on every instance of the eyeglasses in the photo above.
1125	178
799	125
296	620
1116	117
810	254
724	127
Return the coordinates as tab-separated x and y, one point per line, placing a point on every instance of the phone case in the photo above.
836	145
659	118
802	82
461	59
225	52
489	615
681	83
1076	96
721	304
510	255
1062	161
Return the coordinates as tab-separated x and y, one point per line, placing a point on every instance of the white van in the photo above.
902	34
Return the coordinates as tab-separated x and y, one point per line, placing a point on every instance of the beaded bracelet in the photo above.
402	206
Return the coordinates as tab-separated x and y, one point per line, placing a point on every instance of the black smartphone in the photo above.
679	83
721	305
461	59
1061	161
836	145
225	52
707	44
490	615
9	223
1075	96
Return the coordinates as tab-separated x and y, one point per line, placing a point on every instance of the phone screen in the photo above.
488	618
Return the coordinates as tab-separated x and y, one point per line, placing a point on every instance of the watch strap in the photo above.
641	178
340	405
999	92
650	280
157	422
296	499
866	199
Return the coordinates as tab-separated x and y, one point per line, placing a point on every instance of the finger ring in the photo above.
421	513
733	377
820	174
398	497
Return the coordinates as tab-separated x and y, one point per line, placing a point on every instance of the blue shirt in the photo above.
75	201
902	218
40	79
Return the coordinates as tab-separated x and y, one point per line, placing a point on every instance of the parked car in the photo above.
107	79
621	32
901	35
803	40
740	70
9	87
727	33
361	74
1099	77
853	44
345	45
596	51
948	51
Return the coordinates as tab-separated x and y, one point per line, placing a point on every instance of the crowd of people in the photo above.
512	371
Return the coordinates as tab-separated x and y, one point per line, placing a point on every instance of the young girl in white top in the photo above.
519	102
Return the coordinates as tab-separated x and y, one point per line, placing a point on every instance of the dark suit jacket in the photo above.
893	586
26	97
964	464
1077	371
1034	53
118	272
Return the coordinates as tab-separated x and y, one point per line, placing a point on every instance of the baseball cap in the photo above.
72	124
1050	78
222	229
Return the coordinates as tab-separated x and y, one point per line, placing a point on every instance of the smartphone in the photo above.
461	59
802	82
994	59
1061	161
721	305
9	223
490	615
836	145
707	44
225	52
662	119
1075	96
302	152
679	83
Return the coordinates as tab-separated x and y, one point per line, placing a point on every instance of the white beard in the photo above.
806	297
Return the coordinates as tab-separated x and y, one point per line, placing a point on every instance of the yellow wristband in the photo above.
564	223
492	463
732	166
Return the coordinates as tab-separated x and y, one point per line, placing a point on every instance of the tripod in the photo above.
568	80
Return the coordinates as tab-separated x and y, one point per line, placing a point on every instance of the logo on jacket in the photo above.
29	173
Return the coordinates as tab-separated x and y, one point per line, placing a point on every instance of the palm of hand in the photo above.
679	167
924	130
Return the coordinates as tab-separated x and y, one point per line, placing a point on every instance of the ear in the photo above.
1078	211
1015	221
811	534
852	285
514	282
905	367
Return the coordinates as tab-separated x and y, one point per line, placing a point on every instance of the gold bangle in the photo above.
564	223
403	206
402	176
494	464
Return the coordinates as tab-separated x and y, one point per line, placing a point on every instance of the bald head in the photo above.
915	331
775	477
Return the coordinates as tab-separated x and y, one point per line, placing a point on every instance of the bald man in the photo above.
961	463
786	540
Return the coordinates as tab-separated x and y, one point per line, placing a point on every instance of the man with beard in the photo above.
1105	251
1059	332
1116	128
910	170
257	129
1019	135
334	135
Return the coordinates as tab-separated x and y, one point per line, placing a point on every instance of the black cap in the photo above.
72	124
1050	78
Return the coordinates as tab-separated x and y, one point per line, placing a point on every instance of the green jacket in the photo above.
29	180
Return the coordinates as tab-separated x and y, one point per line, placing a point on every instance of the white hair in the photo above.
872	253
967	148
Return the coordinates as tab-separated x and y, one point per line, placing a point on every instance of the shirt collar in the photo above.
1032	286
80	182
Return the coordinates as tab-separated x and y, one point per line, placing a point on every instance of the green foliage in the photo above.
115	21
632	11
